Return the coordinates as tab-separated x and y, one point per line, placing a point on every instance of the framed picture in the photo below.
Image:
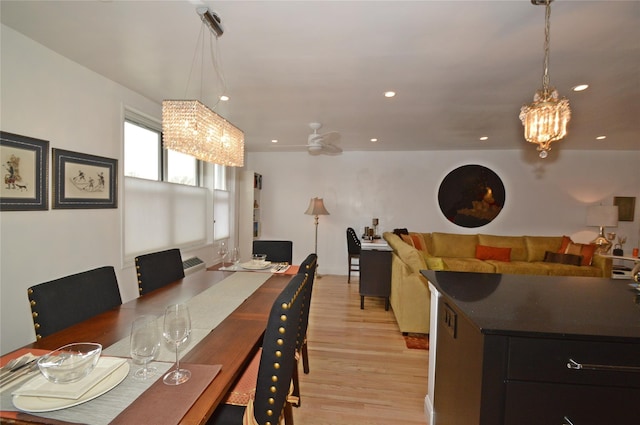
24	165
84	181
471	196
626	207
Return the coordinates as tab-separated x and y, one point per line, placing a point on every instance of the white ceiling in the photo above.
462	69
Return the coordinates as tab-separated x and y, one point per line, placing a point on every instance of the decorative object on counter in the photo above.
471	196
25	162
602	216
626	207
190	127
617	249
545	120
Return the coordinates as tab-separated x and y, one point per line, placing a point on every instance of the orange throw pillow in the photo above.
484	252
586	250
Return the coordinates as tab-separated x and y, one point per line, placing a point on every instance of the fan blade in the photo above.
331	149
330	137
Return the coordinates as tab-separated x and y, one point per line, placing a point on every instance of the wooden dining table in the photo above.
231	344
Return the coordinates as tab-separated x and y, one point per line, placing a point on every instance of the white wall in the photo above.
45	96
543	197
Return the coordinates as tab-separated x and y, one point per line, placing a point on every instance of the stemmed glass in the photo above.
145	344
177	327
222	251
235	256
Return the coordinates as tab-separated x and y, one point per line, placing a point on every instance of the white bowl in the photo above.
70	363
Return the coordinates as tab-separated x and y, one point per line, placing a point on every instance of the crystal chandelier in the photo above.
545	120
190	127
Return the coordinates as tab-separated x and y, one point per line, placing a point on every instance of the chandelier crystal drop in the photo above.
545	120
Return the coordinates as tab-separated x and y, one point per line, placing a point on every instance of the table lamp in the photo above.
602	216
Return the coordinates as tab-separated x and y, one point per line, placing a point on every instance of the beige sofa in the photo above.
410	297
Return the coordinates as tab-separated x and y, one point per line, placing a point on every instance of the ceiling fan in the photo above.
323	144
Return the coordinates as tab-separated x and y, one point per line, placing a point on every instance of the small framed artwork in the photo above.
626	207
24	165
84	181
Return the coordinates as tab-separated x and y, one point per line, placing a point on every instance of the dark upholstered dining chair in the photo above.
353	249
267	397
158	269
277	251
308	268
63	302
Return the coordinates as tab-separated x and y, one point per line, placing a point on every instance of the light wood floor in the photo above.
360	369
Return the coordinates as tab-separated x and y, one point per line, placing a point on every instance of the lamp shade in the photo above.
602	215
316	207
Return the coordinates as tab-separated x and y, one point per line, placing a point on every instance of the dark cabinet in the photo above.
561	363
375	275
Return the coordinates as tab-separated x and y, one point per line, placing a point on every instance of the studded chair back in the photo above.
63	302
277	251
353	249
158	269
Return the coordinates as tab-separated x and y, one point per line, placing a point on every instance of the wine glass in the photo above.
235	256
222	251
145	344
177	327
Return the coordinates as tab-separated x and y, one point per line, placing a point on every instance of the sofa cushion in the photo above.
516	243
518	267
484	252
434	263
586	250
453	245
556	257
537	246
555	269
468	265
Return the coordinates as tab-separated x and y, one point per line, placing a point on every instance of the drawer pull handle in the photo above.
572	364
566	421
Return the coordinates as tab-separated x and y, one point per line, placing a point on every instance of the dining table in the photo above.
222	352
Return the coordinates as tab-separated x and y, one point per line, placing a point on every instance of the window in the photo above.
144	157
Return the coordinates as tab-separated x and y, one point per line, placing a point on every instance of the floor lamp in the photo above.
316	208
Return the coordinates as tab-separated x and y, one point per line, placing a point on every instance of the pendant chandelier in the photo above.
190	127
545	120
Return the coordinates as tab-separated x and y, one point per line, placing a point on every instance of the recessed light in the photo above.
389	94
224	98
484	138
601	137
274	140
580	87
374	140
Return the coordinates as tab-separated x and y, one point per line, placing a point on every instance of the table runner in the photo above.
207	310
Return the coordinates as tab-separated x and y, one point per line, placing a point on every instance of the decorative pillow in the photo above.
399	232
418	241
556	257
407	239
566	240
586	250
484	252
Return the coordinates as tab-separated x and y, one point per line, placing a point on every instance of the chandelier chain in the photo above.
547	31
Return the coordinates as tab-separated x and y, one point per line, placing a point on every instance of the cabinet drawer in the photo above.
549	404
545	360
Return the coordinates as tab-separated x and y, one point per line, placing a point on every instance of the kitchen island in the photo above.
520	349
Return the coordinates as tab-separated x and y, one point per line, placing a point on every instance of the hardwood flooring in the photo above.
361	372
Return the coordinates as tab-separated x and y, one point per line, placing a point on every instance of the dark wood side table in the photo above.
375	275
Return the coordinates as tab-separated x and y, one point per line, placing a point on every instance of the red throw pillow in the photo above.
586	250
484	252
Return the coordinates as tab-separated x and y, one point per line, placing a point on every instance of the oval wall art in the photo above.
471	196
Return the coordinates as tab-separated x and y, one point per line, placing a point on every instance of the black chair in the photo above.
63	302
158	269
267	397
308	268
277	251
353	248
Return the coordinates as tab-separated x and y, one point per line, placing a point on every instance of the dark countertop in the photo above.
551	306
